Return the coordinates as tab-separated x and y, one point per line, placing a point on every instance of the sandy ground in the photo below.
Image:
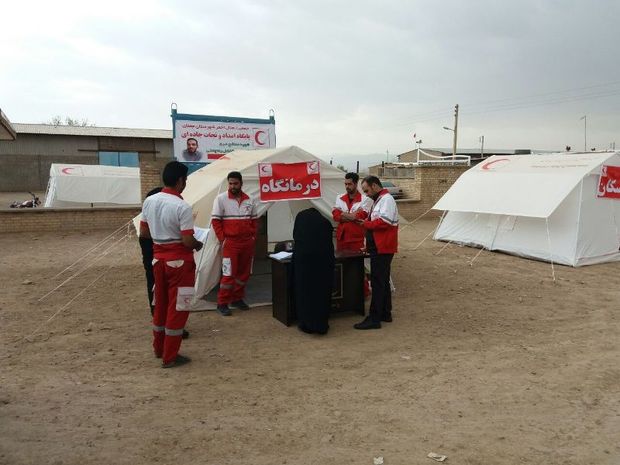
488	364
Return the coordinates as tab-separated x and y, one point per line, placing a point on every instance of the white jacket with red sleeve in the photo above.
383	222
234	218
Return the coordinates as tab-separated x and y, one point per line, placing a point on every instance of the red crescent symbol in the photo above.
486	165
66	170
263	169
256	137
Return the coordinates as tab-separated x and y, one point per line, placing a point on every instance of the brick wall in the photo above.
411	187
150	175
422	192
65	219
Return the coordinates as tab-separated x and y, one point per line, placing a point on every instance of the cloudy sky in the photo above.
354	77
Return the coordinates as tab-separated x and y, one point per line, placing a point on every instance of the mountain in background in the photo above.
349	161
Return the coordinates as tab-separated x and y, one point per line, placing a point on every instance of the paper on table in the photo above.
281	255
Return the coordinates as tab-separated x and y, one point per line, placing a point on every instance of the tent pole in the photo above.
471	263
578	222
550	254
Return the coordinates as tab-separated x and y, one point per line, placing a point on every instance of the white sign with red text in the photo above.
206	141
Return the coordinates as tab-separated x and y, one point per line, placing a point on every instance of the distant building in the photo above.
25	161
475	155
7	131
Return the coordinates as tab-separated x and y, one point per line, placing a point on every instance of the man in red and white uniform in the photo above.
381	243
234	221
350	207
167	220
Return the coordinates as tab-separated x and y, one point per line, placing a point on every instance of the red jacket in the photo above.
350	235
234	219
383	223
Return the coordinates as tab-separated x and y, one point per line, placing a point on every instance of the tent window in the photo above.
130	159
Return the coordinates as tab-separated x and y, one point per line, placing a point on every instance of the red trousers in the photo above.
168	323
237	260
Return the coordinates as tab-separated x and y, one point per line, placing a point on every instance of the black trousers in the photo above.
147	261
381	300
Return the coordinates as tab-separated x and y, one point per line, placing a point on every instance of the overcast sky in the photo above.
353	77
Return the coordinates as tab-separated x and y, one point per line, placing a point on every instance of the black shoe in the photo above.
185	334
240	304
177	362
387	318
224	310
368	324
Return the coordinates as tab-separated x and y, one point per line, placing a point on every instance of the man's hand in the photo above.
190	242
345	217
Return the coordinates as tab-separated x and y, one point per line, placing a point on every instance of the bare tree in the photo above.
68	121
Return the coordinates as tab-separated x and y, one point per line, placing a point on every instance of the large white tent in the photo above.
538	206
96	185
205	184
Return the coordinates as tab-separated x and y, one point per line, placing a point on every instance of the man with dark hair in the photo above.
234	222
192	153
381	243
167	220
350	207
146	246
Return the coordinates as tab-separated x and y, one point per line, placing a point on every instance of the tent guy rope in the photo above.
92	283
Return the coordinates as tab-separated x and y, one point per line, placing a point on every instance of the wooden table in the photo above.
347	292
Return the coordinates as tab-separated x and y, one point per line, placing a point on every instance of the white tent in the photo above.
99	185
538	206
205	184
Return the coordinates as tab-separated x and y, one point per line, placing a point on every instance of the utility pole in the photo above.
456	125
481	146
585	132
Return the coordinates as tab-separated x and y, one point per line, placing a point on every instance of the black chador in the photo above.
313	270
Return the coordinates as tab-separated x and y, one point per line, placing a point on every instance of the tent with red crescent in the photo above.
562	207
92	185
206	183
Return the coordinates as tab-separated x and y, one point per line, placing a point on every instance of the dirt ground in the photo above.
488	364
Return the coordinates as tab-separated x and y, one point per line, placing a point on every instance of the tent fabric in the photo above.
206	183
497	185
100	185
577	229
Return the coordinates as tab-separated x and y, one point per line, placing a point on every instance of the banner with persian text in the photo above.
609	182
204	138
289	181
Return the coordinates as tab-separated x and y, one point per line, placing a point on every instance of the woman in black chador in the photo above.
313	270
